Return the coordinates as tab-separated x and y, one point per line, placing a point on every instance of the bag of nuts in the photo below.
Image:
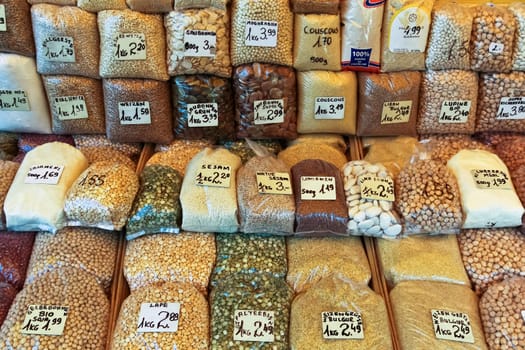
16	34
518	59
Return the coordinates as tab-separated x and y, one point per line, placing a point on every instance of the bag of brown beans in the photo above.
15	252
101	5
150	6
327	152
16	34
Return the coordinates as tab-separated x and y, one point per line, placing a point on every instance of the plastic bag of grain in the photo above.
36	198
350	314
23	101
187	320
488	197
442	147
203	107
406	25
88	249
8	170
243	149
327	102
317	42
75	304
312	258
388	103
66	40
361	34
394	153
102	196
437	315
198	42
209	192
16	34
518	57
132	150
315	6
296	153
101	5
132	45
156	208
447	102
336	141
186	257
15	252
178	154
150	6
138	110
319	199
76	104
449	41
95	154
262	31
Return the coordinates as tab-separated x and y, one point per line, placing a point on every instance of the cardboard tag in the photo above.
44	174
318	188
199	43
130	46
329	108
134	112
273	183
59	49
203	115
254	325
268	111
71	107
453	326
14	100
396	112
261	33
342	325
454	112
374	187
45	320
491	179
512	108
214	175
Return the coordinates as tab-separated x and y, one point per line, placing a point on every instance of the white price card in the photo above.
130	46
268	111
199	43
253	325
377	188
59	49
496	48
493	179
214	175
134	112
44	174
203	115
261	33
273	183
409	30
454	112
318	188
45	320
396	112
14	100
3	19
449	325
158	318
70	107
342	325
511	108
329	108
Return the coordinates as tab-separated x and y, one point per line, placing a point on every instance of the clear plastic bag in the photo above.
8	170
243	149
101	5
132	150
252	255
156	208
296	153
187	4
394	153
163	258
178	154
150	6
518	58
336	141
204	107
442	147
313	258
15	252
96	154
17	36
7	295
315	6
102	196
336	293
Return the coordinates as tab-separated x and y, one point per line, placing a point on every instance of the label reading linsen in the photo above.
329	108
70	107
254	325
158	318
59	49
396	112
14	100
134	112
449	325
273	183
130	47
318	188
200	43
45	320
261	33
342	325
454	112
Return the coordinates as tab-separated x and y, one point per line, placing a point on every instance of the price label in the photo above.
14	100
329	108
268	111
44	174
130	46
318	188
3	19
453	326
92	180
45	320
511	108
59	49
273	183
253	325
491	179
342	325
134	112
70	107
200	43
203	115
374	187
496	48
158	318
396	112
260	33
409	30
454	112
214	175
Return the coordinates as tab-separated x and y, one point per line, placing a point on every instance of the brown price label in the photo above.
491	179
377	188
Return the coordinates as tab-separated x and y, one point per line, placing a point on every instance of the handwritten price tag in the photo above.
342	325
45	320
329	108
203	115
59	49
374	187
3	21
261	33
273	183
135	112
496	48
396	112
268	111
318	188
253	325
158	317
71	107
491	179
130	46
214	175
44	174
453	112
199	43
511	108
14	100
453	326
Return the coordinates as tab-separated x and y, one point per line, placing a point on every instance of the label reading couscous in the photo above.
453	326
71	107
3	25
396	112
253	325
158	317
59	49
261	33
454	112
203	115
44	174
487	179
511	108
268	111
14	100
130	46
342	325
214	175
318	188
375	187
329	108
199	43
273	183
45	320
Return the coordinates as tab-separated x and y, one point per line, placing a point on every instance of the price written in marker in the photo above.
261	33
491	179
396	112
253	325
130	46
135	112
203	115
45	320
273	183
342	325
454	112
199	43
329	108
496	48
3	19
14	100
511	108
453	326
70	107
318	188
374	187
44	174
158	318
268	111
59	49
214	175
92	180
